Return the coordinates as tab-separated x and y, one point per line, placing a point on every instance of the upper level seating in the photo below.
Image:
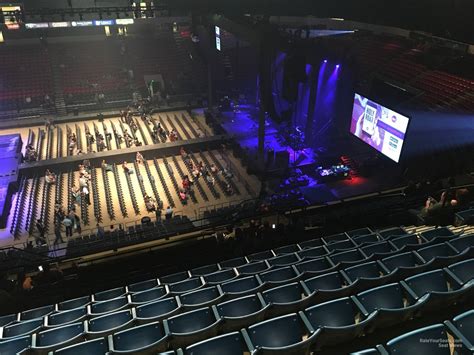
321	306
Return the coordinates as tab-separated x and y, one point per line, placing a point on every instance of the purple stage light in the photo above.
325	60
337	66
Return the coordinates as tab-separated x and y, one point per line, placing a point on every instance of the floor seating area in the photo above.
294	299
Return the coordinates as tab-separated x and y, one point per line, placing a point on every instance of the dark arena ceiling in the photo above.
452	19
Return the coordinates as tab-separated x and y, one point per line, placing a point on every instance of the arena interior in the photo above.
251	177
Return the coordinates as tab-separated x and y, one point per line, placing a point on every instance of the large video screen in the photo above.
379	127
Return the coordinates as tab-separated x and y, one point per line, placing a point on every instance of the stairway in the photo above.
59	102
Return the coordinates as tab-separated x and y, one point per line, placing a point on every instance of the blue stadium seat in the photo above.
441	254
153	294
380	249
328	286
314	267
462	243
253	268
408	242
220	276
148	338
205	270
283	260
360	231
173	278
463	271
5	320
59	337
201	298
231	263
440	234
22	328
61	318
74	303
109	294
186	286
341	246
113	305
226	344
392	303
143	285
311	253
242	286
287	249
286	335
413	342
14	345
90	347
334	238
287	299
241	312
312	243
158	310
36	312
369	274
366	239
405	264
390	233
267	254
279	276
340	320
443	290
109	323
191	327
347	258
462	327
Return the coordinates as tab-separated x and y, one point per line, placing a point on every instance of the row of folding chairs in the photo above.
454	336
312	328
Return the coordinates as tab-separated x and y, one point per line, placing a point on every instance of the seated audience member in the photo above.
183	153
149	203
126	169
100	231
182	195
214	168
439	213
50	177
139	158
186	183
210	179
228	189
106	167
137	143
169	213
76	194
462	199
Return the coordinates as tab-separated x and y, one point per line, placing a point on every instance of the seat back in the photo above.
401	260
96	346
226	344
143	285
428	281
59	335
220	276
239	307
74	303
409	239
149	295
186	285
252	268
173	278
67	316
22	328
314	265
331	281
109	294
157	309
284	294
348	256
465	324
315	252
36	312
433	251
204	270
337	313
277	332
412	342
110	321
15	345
109	306
276	275
200	296
370	270
388	296
138	337
378	248
231	263
191	321
464	270
462	243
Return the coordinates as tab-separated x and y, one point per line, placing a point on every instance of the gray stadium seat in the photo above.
279	276
148	338
74	303
441	254
220	276
241	312
90	347
61	318
59	337
287	299
112	305
106	324
185	286
412	342
226	344
143	285
314	267
158	310
14	345
36	312
153	294
347	258
282	335
380	249
22	328
242	286
328	286
369	274
405	264
462	271
4	320
109	294
462	243
201	298
392	303
462	326
191	327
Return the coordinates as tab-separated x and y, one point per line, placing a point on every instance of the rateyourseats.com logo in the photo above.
442	342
